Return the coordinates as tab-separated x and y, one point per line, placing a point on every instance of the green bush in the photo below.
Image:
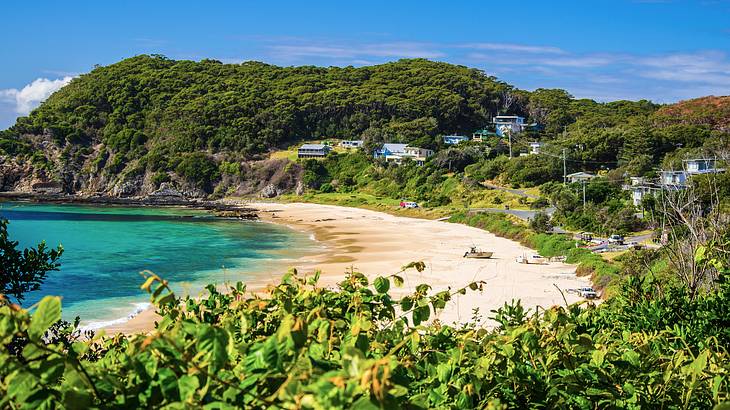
305	346
199	169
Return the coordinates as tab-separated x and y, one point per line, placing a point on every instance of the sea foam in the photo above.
138	308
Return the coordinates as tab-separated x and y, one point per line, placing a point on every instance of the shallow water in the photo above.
106	248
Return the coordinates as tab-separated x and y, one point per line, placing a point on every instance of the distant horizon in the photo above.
664	51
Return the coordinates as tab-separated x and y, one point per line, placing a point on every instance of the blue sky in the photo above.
663	50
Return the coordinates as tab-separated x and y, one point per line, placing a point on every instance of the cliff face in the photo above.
266	178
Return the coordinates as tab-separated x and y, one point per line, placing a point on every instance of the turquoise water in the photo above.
106	248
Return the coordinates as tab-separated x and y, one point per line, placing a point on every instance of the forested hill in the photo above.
124	129
146	112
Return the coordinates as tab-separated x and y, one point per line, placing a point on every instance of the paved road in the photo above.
520	192
526	215
520	213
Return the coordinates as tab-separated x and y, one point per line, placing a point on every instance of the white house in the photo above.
508	123
673	178
669	179
351	143
313	151
454	139
701	166
389	149
535	147
638	192
483	135
697	166
416	154
580	177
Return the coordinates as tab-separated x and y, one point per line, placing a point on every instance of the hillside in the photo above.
711	110
144	115
206	128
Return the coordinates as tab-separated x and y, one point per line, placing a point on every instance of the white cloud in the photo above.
355	51
30	96
519	48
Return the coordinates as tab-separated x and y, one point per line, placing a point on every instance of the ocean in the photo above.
106	248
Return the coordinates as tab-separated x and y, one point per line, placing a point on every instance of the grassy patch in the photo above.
369	201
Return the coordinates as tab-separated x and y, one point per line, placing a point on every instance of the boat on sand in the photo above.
478	254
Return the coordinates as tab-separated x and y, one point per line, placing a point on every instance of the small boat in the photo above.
531	260
477	254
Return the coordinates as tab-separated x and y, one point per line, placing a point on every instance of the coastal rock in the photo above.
47	187
125	189
194	193
13	174
166	193
269	191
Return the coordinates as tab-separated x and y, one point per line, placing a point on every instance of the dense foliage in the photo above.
147	112
357	346
154	110
22	271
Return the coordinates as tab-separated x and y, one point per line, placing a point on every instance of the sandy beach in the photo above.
376	243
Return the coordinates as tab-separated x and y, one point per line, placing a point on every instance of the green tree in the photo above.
541	223
23	271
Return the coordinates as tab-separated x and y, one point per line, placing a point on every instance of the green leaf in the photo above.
48	313
364	403
382	285
214	341
699	364
406	303
168	383
700	254
187	385
398	280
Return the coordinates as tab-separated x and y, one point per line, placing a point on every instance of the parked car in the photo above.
616	239
588	293
408	204
584	236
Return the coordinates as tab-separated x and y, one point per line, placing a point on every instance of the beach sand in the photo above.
378	244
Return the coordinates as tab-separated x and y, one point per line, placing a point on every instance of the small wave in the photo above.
138	308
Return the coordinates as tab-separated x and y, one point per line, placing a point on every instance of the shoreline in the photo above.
218	208
378	244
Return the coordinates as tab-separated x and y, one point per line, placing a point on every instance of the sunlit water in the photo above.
106	248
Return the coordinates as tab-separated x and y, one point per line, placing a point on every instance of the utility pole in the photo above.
509	138
565	169
584	195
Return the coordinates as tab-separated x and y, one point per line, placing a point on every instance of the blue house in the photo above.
454	139
513	124
390	149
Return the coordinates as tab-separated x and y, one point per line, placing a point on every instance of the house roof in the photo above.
456	136
312	146
394	147
580	174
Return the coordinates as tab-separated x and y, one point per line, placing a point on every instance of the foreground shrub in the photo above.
357	346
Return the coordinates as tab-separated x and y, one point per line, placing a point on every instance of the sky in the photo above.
662	50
